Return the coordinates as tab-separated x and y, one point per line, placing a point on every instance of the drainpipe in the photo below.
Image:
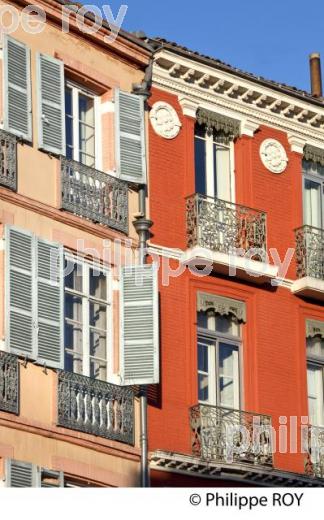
142	226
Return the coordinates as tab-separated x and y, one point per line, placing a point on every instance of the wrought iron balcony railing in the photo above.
91	406
9	383
222	226
310	252
8	160
224	435
94	195
315	459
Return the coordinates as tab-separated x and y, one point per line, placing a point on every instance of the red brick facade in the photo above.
274	353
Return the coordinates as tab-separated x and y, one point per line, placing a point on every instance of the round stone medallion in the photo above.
273	156
165	120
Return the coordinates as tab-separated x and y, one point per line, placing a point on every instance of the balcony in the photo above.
94	195
8	160
310	262
231	236
95	407
223	435
9	383
315	457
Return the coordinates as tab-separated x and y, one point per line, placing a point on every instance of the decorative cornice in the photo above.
312	153
296	143
249	127
228	127
221	305
237	97
314	328
189	108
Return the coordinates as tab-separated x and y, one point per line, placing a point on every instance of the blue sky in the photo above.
271	39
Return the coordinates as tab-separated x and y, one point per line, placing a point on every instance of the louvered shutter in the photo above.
20	474
139	352
130	137
49	303
19	276
17	105
51	124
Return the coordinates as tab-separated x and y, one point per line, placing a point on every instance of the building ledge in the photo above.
257	475
230	265
309	287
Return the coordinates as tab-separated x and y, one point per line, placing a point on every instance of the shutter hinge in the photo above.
2	244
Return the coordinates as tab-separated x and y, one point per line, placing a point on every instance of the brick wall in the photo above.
274	355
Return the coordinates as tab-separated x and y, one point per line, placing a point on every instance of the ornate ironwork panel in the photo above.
224	435
310	252
9	383
222	226
95	407
8	160
94	195
315	458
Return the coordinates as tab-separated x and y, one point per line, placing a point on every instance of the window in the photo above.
315	379
80	125
219	345
313	180
87	319
213	164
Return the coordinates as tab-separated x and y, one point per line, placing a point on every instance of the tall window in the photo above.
213	164
219	345
313	174
80	125
315	379
87	312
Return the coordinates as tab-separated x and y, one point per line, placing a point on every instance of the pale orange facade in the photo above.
32	435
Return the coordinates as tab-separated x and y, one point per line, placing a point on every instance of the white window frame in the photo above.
314	361
210	163
319	179
86	265
214	338
76	89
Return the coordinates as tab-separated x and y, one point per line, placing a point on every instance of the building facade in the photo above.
72	155
236	191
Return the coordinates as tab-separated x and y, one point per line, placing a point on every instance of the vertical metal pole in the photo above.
142	226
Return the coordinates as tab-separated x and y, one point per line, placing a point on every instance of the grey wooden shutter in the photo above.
20	474
139	337
17	104
51	113
50	317
130	137
19	277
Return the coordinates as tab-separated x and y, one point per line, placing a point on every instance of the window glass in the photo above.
73	276
228	375
86	310
86	130
218	359
98	284
200	166
80	125
212	164
312	203
222	171
315	395
69	122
